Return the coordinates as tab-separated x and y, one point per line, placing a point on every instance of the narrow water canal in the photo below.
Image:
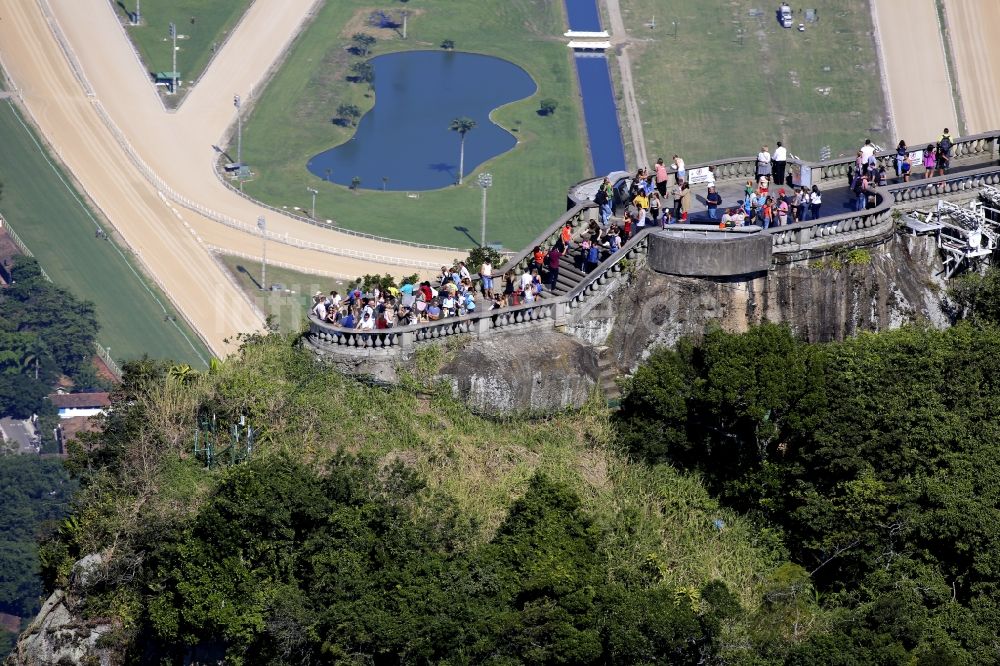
583	15
607	153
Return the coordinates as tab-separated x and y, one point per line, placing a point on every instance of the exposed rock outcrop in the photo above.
822	298
534	370
58	636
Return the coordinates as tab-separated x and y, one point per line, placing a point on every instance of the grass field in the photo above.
292	121
58	227
201	26
290	307
709	93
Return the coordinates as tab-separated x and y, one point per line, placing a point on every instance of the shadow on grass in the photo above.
465	231
241	269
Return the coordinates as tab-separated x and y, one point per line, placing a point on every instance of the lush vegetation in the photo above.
391	525
35	492
291	121
875	458
45	332
856	521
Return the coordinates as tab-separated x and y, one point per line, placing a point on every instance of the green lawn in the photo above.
202	25
292	121
708	94
58	227
290	307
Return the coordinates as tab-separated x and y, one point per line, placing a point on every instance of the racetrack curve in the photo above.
171	240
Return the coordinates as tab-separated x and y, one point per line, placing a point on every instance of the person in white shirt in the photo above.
763	163
448	306
525	280
319	309
463	272
486	277
367	322
867	151
780	157
681	170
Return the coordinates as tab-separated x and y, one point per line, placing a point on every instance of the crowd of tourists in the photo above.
658	197
663	196
453	293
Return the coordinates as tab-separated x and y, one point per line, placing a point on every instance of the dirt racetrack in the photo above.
916	70
169	239
972	26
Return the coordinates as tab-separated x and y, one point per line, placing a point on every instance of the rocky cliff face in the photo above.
540	370
59	636
822	298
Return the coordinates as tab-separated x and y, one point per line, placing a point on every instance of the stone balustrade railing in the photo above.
578	216
554	311
794	237
942	186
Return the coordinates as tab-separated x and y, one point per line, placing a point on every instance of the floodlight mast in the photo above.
485	182
313	191
262	225
173	52
239	131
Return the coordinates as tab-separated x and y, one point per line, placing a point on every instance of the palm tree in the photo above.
463	126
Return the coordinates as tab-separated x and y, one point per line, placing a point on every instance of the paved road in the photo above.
169	240
16	433
972	28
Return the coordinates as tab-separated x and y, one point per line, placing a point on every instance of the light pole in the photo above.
173	52
239	131
485	182
138	12
262	225
313	192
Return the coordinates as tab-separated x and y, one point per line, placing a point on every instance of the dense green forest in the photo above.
876	458
45	332
35	493
757	500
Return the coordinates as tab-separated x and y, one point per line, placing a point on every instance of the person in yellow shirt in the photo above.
641	202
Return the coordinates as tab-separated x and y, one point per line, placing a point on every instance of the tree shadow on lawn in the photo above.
241	269
465	231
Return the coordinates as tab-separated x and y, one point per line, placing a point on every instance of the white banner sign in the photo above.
700	175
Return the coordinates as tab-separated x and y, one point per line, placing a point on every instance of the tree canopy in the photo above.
876	457
45	331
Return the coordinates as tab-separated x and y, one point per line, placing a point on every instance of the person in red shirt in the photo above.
566	236
538	258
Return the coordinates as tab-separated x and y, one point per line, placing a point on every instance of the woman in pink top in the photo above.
661	177
930	161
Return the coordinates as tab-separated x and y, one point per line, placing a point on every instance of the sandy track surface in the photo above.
972	26
178	147
914	63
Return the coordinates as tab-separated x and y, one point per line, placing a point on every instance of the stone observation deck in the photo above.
696	249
